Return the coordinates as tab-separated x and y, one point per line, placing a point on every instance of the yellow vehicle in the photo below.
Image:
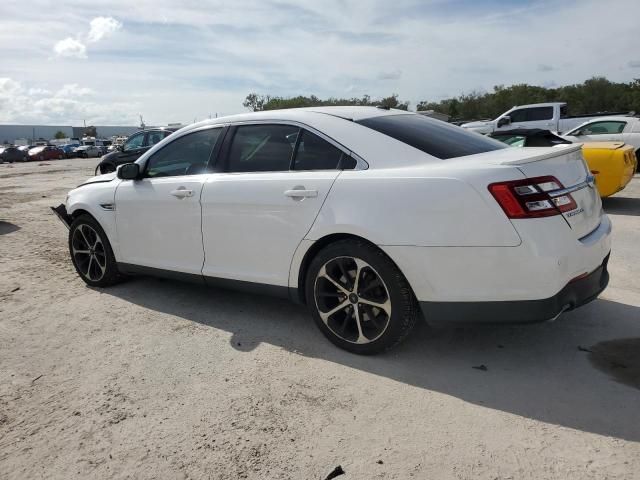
612	163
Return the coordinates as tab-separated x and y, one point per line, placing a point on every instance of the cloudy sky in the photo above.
106	62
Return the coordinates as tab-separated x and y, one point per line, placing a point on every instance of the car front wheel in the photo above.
91	253
359	298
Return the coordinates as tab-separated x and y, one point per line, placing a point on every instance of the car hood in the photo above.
112	155
107	177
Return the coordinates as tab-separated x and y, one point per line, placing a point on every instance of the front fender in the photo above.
98	200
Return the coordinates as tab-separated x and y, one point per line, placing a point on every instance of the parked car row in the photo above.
552	117
549	116
12	154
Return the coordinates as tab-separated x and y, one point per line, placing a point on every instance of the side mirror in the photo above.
129	171
506	120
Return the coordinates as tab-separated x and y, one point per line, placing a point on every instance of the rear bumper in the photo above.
61	213
573	295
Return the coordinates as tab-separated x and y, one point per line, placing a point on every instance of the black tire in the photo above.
98	268
394	287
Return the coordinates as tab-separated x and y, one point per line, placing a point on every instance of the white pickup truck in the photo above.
548	116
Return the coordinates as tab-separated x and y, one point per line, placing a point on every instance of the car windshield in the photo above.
434	137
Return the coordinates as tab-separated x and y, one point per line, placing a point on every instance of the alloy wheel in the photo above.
352	300
88	252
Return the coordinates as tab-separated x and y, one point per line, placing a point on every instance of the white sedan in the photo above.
86	151
371	217
614	129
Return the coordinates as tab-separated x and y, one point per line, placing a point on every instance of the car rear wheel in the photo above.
60	157
91	253
359	298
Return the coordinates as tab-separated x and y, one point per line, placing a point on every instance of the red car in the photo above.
46	153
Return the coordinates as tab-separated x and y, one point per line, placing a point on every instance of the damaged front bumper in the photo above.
61	213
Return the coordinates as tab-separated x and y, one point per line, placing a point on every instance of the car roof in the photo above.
156	129
612	118
545	104
350	113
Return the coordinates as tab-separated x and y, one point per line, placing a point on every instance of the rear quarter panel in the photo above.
419	206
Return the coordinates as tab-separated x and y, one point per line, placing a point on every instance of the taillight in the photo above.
532	197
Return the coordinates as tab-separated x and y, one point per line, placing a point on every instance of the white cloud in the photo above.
68	105
102	27
391	75
73	90
70	47
36	92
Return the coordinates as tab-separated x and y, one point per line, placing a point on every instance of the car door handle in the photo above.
301	193
182	193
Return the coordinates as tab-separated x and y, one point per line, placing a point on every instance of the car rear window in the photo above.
434	137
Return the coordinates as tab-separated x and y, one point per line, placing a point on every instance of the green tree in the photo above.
90	131
255	102
594	95
60	135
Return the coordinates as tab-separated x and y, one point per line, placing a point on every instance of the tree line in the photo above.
256	102
594	95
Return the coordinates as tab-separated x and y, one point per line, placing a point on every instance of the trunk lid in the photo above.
565	163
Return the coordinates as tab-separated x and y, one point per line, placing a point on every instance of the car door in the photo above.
158	217
256	211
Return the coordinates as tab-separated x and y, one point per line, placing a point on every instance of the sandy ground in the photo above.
156	379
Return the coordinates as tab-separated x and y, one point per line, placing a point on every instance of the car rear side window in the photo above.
262	148
187	155
434	137
314	153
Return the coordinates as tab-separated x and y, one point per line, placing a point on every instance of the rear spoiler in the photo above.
548	153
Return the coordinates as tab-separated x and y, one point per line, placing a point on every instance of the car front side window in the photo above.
134	143
518	116
262	148
187	155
